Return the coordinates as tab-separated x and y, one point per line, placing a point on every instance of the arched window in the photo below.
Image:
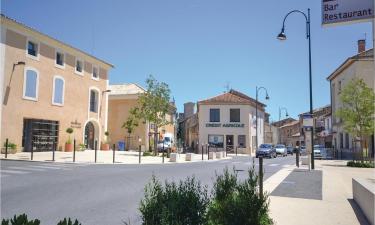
58	90
94	98
30	85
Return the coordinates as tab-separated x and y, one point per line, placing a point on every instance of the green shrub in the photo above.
147	153
184	203
20	220
69	131
10	145
360	164
238	203
68	222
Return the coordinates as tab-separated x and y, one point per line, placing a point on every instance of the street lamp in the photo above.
286	115
282	37
7	89
105	91
256	114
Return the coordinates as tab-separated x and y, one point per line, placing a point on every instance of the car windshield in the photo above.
167	139
265	146
280	146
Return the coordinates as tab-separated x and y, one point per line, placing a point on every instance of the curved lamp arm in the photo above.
259	88
307	21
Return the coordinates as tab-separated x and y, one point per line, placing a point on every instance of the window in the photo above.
30	85
58	91
59	59
216	140
214	115
242	141
339	86
95	73
93	101
341	140
234	115
79	66
32	48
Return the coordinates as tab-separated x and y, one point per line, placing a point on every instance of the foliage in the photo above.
20	220
82	147
357	111
106	133
69	131
10	145
68	222
147	154
360	164
132	121
238	203
184	203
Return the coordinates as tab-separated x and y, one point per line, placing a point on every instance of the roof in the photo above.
231	97
54	39
125	89
290	124
366	55
326	107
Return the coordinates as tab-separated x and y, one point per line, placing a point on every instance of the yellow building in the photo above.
47	86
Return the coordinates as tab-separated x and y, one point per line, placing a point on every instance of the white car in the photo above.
281	150
165	144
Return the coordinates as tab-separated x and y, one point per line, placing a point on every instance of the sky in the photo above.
199	47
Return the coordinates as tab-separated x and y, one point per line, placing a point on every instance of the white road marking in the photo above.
14	171
274	164
47	167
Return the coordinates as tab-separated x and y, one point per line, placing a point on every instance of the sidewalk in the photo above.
103	157
323	196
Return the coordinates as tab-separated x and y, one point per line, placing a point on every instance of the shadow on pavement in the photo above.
358	212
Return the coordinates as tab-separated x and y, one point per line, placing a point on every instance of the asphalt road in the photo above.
100	194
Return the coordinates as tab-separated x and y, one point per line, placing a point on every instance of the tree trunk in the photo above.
361	150
156	140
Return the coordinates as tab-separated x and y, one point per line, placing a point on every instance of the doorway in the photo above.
90	135
229	142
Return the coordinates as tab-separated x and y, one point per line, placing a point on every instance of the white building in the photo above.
228	121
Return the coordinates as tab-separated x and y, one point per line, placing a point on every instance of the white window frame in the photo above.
75	66
63	53
24	84
53	91
27	49
92	72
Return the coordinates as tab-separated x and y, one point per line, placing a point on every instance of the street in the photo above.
101	194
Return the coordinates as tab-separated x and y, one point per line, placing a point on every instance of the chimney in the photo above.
361	45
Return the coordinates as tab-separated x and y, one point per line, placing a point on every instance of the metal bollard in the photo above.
139	154
297	158
202	152
114	148
6	148
261	176
163	151
74	150
208	153
32	150
53	151
236	150
96	150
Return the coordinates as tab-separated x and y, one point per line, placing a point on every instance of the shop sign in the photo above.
75	124
235	125
343	11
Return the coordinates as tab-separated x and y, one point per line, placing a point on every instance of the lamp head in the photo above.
267	97
282	36
287	115
20	63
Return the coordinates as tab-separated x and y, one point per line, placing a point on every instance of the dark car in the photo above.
289	150
266	150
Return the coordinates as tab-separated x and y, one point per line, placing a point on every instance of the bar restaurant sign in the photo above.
237	125
345	11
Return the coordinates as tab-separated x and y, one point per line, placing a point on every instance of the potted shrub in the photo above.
82	147
12	148
68	143
105	144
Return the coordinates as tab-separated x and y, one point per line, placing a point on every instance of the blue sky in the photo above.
198	46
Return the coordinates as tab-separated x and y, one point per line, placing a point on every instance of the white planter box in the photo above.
211	155
189	157
173	157
364	196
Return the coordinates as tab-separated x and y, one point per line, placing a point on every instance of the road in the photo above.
100	194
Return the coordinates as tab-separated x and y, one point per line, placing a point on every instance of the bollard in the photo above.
236	150
96	150
114	148
139	154
297	158
6	148
202	152
208	153
261	176
74	150
32	150
163	151
53	151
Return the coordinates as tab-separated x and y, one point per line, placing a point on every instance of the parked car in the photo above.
318	151
281	150
302	150
266	150
289	150
165	145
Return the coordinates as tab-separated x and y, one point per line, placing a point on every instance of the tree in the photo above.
154	105
357	111
131	122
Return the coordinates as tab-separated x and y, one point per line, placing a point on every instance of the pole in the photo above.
114	148
96	149
53	150
208	152
74	150
279	126
6	148
236	150
202	152
261	176
311	96
32	150
139	160
256	120
163	151
297	157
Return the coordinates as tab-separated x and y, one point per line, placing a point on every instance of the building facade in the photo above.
359	66
227	121
47	86
290	133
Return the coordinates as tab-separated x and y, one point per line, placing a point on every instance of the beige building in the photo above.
359	66
122	98
47	86
227	121
290	133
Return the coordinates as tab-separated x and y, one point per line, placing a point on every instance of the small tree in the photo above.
357	111
69	131
131	122
106	137
154	105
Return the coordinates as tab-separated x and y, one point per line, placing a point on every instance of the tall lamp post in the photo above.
286	115
256	113
282	37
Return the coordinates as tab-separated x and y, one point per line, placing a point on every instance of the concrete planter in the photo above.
364	196
68	147
173	157
211	155
104	147
10	150
188	157
219	155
